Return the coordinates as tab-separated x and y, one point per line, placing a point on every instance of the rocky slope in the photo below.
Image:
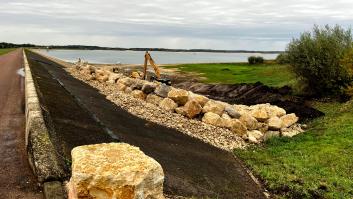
221	124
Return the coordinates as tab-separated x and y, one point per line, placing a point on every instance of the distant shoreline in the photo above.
83	47
162	50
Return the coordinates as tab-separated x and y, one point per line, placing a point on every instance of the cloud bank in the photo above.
221	24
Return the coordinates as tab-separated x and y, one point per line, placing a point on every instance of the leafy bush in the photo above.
319	59
255	60
282	58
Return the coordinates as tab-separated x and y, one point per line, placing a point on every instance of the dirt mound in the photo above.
256	93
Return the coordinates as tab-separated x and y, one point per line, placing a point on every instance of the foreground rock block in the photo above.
214	107
115	170
289	120
179	96
192	109
168	104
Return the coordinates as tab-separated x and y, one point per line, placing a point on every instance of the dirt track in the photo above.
16	178
192	168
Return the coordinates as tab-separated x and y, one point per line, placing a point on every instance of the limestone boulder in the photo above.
148	87
127	81
138	94
226	116
263	127
274	123
254	136
260	114
180	110
179	96
289	120
128	90
162	90
292	130
249	121
232	112
238	127
115	170
153	99
214	107
202	100
137	85
212	118
275	111
168	104
114	77
121	87
192	108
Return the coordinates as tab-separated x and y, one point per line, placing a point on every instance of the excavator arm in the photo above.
148	59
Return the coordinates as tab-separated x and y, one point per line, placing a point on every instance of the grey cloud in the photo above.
222	24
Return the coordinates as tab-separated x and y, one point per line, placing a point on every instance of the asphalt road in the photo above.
192	168
16	177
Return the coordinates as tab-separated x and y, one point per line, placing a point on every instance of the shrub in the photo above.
282	58
318	58
255	60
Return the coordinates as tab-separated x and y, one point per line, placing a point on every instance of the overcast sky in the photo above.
215	24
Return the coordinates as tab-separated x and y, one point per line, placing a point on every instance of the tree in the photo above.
319	59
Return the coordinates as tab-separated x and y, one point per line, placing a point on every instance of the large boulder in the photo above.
249	121
238	127
153	99
148	87
138	94
260	114
179	96
292	130
127	81
162	90
274	123
202	100
275	111
121	87
168	104
255	136
212	118
214	107
137	85
192	109
114	77
115	170
231	111
289	120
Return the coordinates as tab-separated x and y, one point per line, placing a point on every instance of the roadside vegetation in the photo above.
315	164
269	73
5	50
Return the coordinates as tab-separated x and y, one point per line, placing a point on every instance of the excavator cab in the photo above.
157	77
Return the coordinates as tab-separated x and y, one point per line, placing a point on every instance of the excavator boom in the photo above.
149	59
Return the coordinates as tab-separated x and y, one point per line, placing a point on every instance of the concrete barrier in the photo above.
42	156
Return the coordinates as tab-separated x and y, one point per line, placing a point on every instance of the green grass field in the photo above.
315	164
230	73
5	50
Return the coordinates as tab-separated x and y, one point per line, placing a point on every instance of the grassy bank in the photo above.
5	50
270	74
316	164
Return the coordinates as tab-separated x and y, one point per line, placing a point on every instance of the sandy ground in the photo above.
16	177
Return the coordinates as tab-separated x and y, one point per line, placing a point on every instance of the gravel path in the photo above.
16	177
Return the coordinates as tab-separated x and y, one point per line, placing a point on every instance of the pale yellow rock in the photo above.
114	77
180	110
115	170
289	120
214	107
168	104
179	96
138	94
249	121
292	130
127	81
274	123
192	108
226	116
256	134
121	87
153	99
275	111
212	118
260	114
238	127
202	100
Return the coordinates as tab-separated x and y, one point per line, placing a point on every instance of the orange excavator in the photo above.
157	77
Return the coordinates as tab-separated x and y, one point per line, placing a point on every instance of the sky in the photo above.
188	24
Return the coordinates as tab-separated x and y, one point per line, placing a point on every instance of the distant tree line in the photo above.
11	45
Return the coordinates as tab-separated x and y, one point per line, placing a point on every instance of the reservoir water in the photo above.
137	57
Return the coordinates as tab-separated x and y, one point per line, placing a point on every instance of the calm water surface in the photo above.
137	57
